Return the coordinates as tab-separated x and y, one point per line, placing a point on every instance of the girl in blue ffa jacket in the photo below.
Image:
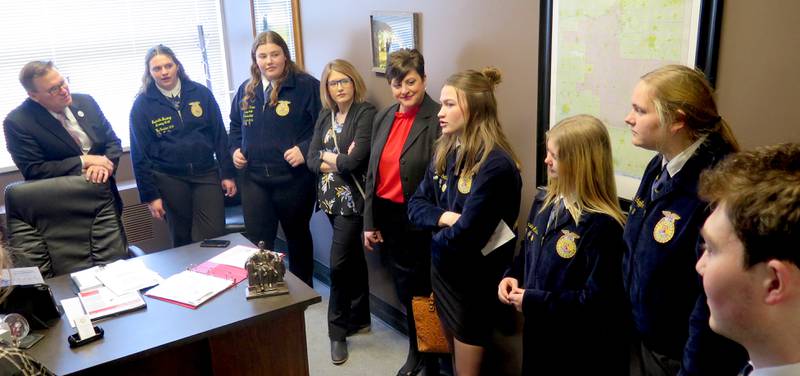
674	114
272	121
472	188
566	279
179	150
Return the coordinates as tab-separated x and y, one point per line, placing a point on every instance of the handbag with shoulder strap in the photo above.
430	336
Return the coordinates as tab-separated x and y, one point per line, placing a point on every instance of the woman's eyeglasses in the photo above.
343	82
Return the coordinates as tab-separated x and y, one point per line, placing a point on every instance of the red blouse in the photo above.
389	185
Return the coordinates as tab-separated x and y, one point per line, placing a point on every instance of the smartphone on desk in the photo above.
215	243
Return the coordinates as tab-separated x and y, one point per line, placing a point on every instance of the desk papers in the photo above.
228	264
86	279
21	276
72	309
236	256
102	302
126	276
121	277
189	289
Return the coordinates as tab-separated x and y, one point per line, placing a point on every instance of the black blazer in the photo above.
41	147
357	127
415	157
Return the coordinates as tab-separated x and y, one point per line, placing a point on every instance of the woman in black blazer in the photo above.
403	138
338	156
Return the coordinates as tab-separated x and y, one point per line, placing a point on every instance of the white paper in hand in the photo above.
502	235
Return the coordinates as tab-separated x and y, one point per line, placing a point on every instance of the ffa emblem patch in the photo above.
665	228
197	111
282	109
465	184
565	246
531	232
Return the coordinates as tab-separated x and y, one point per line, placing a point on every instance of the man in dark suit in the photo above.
54	133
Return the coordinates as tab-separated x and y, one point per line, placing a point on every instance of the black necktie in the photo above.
176	101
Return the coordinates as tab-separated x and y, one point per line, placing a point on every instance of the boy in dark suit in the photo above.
750	260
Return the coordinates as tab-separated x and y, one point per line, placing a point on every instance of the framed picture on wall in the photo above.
391	31
592	54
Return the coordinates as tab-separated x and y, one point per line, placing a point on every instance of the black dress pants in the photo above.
195	206
408	251
348	308
288	198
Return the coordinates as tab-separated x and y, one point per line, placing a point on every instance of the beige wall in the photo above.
454	35
759	70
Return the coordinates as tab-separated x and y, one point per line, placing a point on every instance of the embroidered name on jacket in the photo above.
162	125
532	231
247	116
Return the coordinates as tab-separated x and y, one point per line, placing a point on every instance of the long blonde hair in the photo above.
680	93
255	73
482	131
585	167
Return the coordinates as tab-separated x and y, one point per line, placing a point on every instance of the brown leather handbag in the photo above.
430	336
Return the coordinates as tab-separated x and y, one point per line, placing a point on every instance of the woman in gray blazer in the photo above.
403	138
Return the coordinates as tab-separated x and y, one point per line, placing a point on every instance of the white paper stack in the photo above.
189	289
126	276
102	302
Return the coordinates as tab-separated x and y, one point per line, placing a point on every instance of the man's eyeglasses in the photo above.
343	82
55	90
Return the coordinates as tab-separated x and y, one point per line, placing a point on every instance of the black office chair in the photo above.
63	225
234	218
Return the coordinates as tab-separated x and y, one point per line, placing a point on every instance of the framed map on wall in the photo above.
593	52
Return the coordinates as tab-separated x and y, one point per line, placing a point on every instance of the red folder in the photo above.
222	271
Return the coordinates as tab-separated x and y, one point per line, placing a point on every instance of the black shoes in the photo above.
412	367
338	352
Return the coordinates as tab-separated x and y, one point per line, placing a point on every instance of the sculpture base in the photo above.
279	288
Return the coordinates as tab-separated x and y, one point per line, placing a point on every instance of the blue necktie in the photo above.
267	92
558	207
658	184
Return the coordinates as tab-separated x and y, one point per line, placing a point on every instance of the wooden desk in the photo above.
228	335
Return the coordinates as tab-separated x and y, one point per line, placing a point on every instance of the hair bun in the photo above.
493	75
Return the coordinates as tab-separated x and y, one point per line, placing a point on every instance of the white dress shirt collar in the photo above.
175	92
677	163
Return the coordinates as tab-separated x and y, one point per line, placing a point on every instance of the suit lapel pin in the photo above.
80	113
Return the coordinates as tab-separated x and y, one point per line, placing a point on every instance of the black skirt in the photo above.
465	293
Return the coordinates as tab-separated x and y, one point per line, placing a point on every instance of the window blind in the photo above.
100	47
276	15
